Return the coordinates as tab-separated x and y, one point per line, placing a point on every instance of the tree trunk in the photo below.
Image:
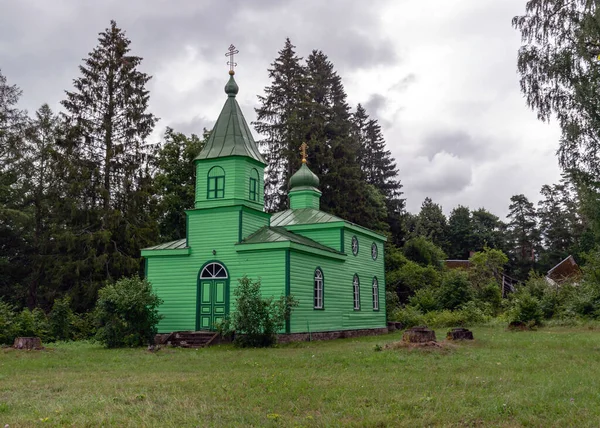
459	334
418	335
28	343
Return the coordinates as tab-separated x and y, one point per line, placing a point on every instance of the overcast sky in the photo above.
440	76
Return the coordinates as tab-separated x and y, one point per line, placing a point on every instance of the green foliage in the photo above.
486	266
256	320
455	289
33	323
424	252
525	309
61	320
491	295
425	300
412	276
127	313
392	303
431	223
9	326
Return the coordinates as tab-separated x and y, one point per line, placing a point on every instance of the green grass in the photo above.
548	377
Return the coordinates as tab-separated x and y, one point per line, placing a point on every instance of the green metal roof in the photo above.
173	245
302	216
231	135
279	234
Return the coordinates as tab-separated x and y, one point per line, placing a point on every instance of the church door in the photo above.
213	296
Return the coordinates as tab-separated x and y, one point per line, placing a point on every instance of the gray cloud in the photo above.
459	143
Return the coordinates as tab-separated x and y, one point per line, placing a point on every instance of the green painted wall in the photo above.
174	278
238	171
305	199
338	302
331	237
251	222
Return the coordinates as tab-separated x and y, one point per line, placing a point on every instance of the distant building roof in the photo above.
457	264
566	269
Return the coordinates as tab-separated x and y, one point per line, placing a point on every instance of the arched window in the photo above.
356	287
216	183
253	185
213	270
375	294
318	289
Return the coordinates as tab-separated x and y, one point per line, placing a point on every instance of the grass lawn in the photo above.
549	377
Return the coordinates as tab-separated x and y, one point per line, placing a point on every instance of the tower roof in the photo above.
231	135
304	177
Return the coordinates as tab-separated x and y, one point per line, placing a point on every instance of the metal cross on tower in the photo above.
232	51
303	148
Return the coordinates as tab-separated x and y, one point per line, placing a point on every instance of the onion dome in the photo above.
231	88
304	177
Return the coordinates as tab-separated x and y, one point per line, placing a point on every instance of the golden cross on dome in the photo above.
303	148
231	63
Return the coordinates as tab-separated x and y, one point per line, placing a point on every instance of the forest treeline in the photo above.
84	189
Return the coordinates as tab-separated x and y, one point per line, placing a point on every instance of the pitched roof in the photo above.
302	216
231	135
173	245
270	234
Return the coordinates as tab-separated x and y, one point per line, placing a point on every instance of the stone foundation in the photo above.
329	335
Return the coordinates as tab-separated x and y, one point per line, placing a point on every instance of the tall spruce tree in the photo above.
379	168
488	231
460	233
279	119
108	201
524	234
15	216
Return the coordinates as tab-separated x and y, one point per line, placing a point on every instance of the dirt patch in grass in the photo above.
432	345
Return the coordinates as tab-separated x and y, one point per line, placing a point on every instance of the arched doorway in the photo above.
213	296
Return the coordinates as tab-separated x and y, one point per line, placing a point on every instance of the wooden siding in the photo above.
338	312
175	278
330	237
251	222
238	171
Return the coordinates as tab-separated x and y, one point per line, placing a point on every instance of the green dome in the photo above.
231	88
304	177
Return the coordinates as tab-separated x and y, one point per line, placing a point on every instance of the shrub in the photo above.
425	299
491	295
126	313
392	303
256	320
412	277
8	323
33	324
61	320
409	316
455	290
525	309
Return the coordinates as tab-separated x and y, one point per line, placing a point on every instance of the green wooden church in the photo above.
333	268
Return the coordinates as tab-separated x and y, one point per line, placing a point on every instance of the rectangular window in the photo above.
216	187
253	189
356	286
318	287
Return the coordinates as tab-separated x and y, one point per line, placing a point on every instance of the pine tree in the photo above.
175	181
279	120
105	161
488	231
524	234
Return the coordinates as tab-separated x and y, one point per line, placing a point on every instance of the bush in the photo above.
256	320
491	295
61	320
425	300
412	277
392	303
409	316
33	324
525	309
9	328
126	313
455	290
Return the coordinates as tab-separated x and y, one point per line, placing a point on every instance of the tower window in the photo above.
216	183
253	184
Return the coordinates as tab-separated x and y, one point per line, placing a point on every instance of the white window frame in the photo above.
356	292
375	294
318	289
